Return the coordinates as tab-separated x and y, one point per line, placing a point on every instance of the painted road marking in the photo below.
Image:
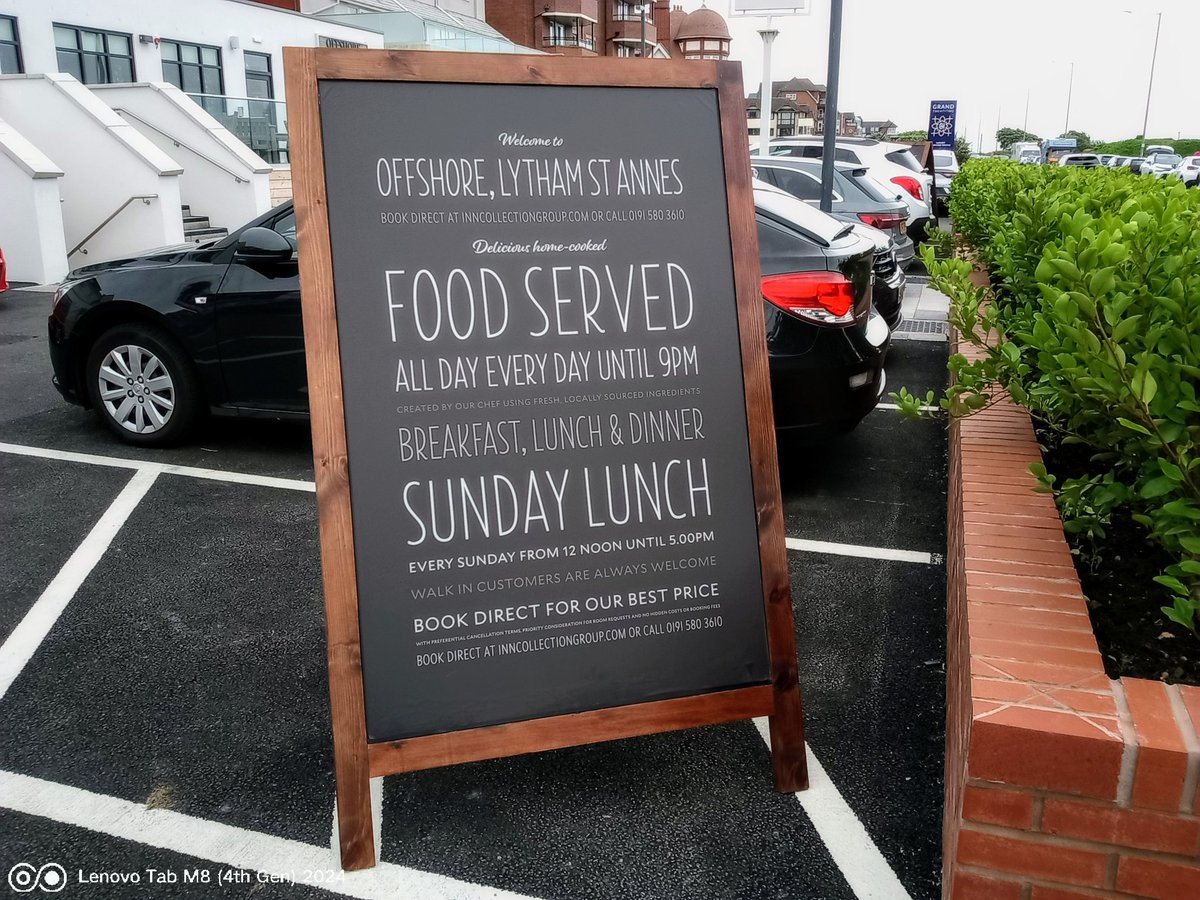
25	639
923	407
855	854
228	845
291	484
914	556
849	844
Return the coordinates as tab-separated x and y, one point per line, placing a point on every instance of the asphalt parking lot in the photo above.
162	685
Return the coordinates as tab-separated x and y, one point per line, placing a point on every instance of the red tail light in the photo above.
882	220
826	298
910	184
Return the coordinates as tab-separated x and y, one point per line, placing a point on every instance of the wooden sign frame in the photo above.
356	760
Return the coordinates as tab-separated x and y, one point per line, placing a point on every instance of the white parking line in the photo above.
855	854
25	639
120	462
914	556
228	845
923	407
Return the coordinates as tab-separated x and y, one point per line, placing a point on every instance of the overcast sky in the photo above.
986	54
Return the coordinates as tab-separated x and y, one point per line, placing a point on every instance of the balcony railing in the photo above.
569	40
259	124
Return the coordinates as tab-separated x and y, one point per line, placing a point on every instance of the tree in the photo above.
1006	137
1083	140
962	150
917	134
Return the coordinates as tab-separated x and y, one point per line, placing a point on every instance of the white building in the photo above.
103	151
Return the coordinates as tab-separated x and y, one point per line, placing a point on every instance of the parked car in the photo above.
826	342
155	341
888	163
890	280
1107	158
945	163
1135	163
1118	162
1160	163
1087	160
3	272
857	197
1188	170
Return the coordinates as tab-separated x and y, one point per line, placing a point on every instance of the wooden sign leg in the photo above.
788	757
356	827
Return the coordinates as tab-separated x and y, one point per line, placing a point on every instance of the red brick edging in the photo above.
1060	783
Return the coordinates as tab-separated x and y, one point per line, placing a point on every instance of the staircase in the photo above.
197	229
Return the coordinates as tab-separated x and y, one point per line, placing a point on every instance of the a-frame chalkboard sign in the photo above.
541	414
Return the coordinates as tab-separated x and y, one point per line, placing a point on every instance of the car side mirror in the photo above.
263	244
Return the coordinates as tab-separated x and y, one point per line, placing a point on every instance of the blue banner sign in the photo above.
943	115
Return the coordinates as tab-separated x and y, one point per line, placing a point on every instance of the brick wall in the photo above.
1061	784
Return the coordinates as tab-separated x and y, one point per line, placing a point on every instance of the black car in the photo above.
152	342
826	341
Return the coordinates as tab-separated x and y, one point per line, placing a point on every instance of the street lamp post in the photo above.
1150	88
1070	88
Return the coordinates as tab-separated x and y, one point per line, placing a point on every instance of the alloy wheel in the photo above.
136	389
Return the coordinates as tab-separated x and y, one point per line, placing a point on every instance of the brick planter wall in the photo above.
1060	783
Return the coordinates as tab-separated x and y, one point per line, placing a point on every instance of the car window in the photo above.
763	173
943	159
1167	159
285	226
798	184
904	158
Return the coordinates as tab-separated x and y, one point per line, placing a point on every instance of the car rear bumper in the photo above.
828	390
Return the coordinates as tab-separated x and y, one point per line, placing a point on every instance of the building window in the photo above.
10	47
624	49
625	12
94	57
787	122
260	83
193	68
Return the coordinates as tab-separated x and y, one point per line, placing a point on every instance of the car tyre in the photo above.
143	385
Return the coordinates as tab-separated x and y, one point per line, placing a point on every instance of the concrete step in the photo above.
187	210
205	234
195	222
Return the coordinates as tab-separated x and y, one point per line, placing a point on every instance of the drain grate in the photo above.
920	330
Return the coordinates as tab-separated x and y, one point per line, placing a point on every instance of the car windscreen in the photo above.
904	158
944	159
1168	159
797	214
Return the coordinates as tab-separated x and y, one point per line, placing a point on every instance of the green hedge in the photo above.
1133	146
1096	288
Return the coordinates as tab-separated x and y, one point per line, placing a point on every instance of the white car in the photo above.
889	163
1188	171
945	163
1160	163
1087	160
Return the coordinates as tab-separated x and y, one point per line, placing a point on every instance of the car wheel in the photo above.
143	385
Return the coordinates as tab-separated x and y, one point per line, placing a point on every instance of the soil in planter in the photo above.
1125	604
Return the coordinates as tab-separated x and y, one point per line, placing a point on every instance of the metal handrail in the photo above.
178	143
145	198
274	100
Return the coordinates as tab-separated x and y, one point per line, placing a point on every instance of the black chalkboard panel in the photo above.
544	400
